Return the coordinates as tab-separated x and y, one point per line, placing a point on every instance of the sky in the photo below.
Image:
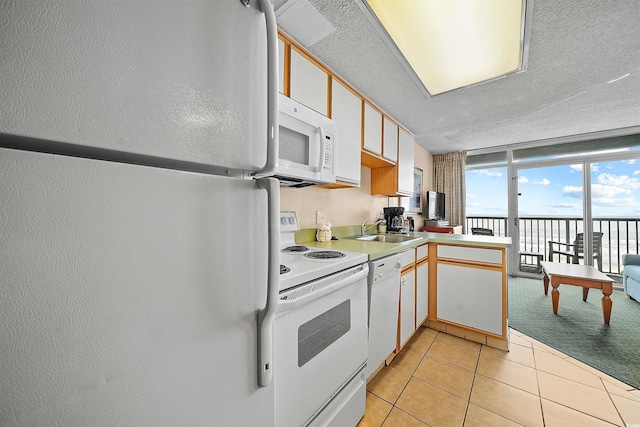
557	191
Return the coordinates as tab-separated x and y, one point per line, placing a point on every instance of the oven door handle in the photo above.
297	298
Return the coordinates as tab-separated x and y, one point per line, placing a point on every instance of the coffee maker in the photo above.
395	219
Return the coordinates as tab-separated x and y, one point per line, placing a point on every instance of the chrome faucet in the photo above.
364	229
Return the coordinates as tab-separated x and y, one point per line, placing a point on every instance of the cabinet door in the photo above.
308	83
405	163
407	305
422	252
346	111
422	292
281	47
470	297
390	140
372	129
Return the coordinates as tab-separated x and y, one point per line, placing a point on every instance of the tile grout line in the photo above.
575	382
475	372
535	367
612	402
393	405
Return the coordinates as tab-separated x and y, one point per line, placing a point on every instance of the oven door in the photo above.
321	342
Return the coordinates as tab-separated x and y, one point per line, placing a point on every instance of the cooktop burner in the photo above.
325	255
284	269
296	249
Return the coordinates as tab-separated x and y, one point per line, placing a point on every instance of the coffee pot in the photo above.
395	219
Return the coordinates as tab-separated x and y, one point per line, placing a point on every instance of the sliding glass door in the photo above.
615	207
584	193
549	215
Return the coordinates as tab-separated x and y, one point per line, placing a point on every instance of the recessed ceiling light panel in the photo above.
455	43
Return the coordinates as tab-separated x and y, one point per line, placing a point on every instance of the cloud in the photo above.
488	172
572	191
578	168
599	190
564	205
636	172
523	180
543	181
630	162
628	184
620	202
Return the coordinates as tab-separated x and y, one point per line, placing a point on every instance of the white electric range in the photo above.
321	333
301	264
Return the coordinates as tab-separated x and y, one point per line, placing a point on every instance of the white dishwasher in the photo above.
384	294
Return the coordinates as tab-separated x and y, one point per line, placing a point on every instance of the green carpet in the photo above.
578	330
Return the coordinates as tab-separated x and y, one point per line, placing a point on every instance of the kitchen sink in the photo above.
386	238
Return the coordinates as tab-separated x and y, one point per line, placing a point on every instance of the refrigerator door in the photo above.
177	80
128	295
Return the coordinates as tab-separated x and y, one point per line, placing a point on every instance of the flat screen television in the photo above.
434	205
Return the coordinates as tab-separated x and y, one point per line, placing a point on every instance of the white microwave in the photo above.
306	147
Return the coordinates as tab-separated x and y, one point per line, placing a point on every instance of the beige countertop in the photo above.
377	250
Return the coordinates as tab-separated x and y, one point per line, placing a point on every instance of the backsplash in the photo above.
350	206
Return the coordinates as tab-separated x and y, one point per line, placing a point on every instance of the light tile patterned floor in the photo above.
442	380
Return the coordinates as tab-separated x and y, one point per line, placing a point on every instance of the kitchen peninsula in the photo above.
466	279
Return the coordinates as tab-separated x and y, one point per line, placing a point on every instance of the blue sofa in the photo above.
631	275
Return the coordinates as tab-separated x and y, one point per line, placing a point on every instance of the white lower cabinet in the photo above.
422	292
471	297
407	305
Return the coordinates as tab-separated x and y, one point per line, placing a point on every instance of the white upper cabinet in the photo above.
280	66
372	129
309	83
405	163
390	141
346	111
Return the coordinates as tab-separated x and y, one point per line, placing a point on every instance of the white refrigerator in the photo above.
138	251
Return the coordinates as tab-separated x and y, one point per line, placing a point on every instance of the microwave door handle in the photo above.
320	131
266	316
273	106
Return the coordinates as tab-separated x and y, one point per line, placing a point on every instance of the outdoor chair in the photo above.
573	252
482	231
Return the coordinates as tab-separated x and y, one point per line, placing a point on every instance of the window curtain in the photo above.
449	178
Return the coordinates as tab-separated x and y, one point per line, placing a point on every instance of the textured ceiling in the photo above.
576	47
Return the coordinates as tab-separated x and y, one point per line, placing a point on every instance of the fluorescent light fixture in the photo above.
451	44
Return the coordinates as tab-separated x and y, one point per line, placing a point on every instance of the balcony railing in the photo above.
620	235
